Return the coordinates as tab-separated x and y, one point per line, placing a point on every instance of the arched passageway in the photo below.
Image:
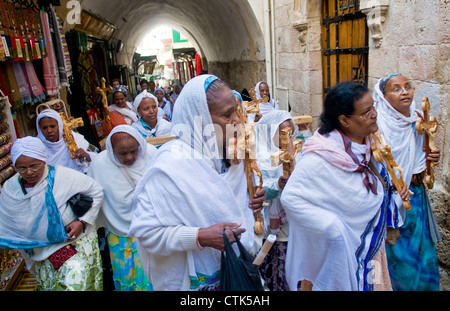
226	33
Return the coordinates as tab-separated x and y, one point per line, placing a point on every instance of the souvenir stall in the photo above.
94	58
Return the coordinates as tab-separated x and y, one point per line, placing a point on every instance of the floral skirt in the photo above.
273	269
82	272
128	274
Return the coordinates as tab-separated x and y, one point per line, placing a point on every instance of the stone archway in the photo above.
225	32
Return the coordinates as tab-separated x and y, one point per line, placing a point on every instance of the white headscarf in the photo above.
192	121
29	146
117	209
57	152
132	132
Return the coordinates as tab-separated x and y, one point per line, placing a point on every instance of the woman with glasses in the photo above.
412	258
38	215
336	201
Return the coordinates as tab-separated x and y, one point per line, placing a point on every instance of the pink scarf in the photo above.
336	148
49	62
31	90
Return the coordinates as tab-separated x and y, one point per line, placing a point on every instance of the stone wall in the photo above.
239	74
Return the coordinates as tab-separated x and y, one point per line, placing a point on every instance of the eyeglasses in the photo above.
33	168
399	90
369	114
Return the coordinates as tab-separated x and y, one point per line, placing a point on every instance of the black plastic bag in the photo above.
238	273
80	204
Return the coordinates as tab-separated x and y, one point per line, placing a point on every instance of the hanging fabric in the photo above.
31	90
49	63
198	64
58	46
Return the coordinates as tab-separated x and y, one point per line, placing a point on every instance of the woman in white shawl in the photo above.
150	123
413	260
121	105
268	132
61	247
49	126
163	103
118	169
262	89
189	195
335	203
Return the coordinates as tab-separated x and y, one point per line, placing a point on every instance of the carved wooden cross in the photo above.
288	152
103	91
243	147
427	126
382	153
302	119
68	126
253	106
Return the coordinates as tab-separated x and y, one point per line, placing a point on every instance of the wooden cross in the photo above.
382	153
253	106
427	126
160	140
68	126
102	91
302	119
243	147
288	152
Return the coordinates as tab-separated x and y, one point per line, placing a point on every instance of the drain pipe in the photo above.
267	44
273	50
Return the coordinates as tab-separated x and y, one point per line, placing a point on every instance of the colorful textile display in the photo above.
31	90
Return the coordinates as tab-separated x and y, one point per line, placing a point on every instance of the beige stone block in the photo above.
418	62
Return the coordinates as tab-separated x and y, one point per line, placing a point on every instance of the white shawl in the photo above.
183	191
57	152
162	128
19	212
117	208
328	209
406	144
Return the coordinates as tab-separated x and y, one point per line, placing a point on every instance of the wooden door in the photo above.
345	43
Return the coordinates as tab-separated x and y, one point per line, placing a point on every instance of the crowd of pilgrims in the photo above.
339	221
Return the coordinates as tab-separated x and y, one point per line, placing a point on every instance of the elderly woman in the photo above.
268	132
413	263
118	169
150	123
336	202
180	244
42	213
121	105
50	131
